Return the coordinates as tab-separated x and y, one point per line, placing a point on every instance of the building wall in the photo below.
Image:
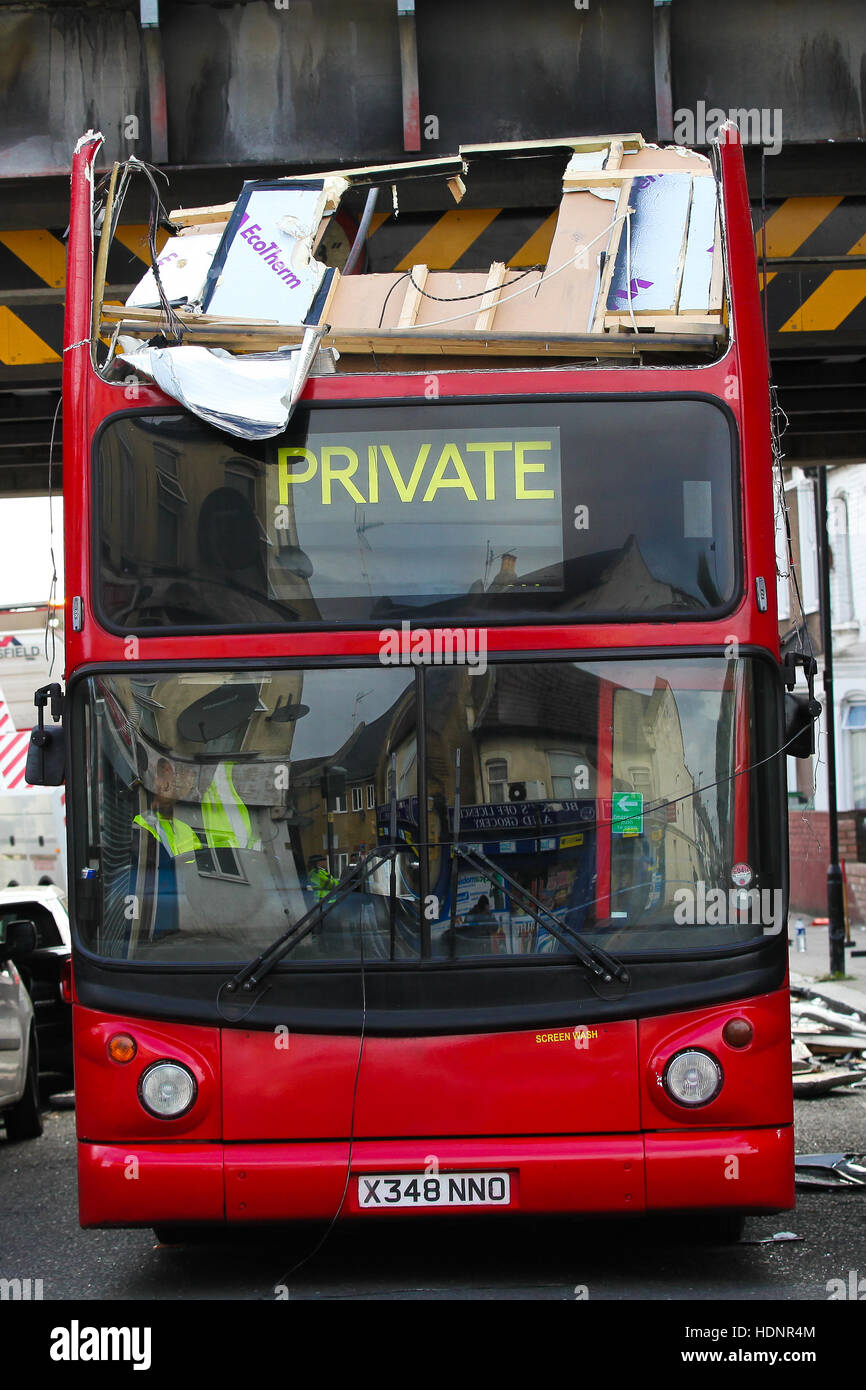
809	833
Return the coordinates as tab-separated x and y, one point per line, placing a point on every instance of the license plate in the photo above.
380	1190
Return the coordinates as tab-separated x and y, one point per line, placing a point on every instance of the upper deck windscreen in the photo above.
542	510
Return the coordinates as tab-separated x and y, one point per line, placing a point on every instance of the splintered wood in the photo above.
634	265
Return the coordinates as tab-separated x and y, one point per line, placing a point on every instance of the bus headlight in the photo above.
693	1077
167	1089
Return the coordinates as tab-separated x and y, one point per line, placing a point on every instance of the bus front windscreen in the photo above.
604	508
636	802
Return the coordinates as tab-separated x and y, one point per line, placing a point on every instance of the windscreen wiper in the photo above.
255	970
599	962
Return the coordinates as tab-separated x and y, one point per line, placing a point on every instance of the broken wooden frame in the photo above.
505	311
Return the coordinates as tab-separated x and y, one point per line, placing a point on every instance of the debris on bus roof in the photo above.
634	267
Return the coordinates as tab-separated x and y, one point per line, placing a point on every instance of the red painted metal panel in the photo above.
548	1081
283	1182
107	1104
603	798
738	1169
757	1079
129	1185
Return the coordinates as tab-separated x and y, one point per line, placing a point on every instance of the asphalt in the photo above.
465	1257
460	1258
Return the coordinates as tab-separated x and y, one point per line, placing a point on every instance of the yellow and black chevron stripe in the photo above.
810	288
816	274
33	282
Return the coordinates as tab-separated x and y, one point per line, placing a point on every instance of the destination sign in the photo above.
423	512
420	466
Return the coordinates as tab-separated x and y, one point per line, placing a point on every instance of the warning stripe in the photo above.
808	298
42	252
13	760
448	239
19	345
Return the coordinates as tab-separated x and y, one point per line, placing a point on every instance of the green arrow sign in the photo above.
627	813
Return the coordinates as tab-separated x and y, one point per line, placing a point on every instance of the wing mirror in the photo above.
46	756
20	940
801	710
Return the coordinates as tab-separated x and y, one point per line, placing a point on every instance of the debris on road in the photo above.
830	1171
828	1042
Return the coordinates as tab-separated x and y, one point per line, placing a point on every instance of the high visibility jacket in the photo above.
226	819
175	836
322	881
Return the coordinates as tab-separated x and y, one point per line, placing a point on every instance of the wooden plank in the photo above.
194	217
613	241
267	338
717	279
681	254
611	178
413	296
486	314
102	254
328	305
663	323
614	158
457	188
577	144
154	318
575	180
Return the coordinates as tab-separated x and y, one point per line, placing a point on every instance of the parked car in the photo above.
41	970
19	1050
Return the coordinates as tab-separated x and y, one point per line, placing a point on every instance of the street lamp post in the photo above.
835	895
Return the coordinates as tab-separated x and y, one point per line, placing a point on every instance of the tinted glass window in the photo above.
613	799
590	509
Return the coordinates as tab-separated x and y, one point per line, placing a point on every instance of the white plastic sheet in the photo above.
252	396
183	263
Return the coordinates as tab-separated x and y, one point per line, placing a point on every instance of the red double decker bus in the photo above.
426	800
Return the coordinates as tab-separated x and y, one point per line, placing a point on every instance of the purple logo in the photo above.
636	286
269	252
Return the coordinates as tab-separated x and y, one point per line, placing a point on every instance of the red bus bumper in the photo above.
152	1184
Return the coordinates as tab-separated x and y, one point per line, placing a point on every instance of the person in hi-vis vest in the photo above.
176	842
225	817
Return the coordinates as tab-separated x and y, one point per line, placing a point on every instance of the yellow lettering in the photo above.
339	475
521	468
489	452
405	491
450	454
287	475
373	471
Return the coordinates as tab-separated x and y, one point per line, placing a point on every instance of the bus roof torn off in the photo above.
635	267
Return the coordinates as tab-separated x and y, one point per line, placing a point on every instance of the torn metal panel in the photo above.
252	396
830	1171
